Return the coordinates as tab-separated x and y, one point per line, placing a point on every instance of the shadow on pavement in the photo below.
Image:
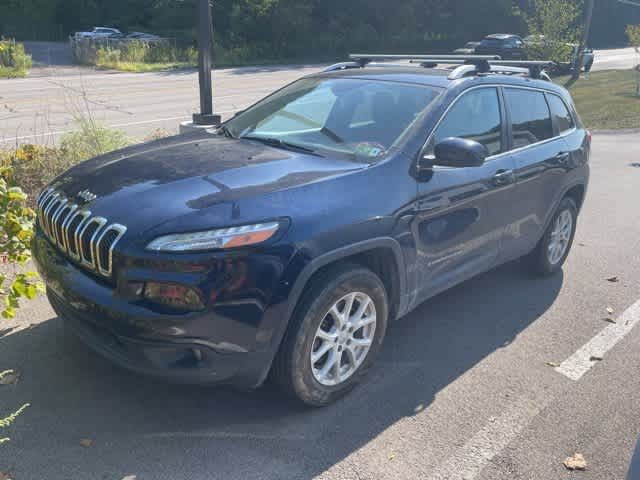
144	427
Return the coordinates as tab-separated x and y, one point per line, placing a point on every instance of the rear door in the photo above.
461	212
541	155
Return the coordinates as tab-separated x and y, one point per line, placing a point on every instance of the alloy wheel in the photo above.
560	237
343	339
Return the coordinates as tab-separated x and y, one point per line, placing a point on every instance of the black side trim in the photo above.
343	252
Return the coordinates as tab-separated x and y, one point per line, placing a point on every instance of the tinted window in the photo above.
560	113
530	116
476	115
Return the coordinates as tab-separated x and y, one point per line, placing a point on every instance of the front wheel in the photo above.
335	335
554	246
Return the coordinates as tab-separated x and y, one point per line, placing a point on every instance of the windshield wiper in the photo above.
225	131
279	143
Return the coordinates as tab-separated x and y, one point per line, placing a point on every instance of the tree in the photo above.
556	25
633	33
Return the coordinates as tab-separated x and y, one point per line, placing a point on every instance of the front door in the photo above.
462	212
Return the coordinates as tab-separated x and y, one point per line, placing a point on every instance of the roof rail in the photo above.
470	64
365	58
534	69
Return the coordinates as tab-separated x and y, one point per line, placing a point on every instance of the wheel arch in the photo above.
381	255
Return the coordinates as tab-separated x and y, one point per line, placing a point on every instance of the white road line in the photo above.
587	356
470	459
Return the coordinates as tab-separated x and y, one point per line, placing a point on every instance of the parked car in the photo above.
508	46
565	67
468	49
145	37
286	242
588	58
100	33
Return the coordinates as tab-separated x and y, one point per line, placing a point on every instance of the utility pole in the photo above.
584	38
205	65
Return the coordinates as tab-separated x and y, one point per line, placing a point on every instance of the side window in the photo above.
560	113
530	117
476	116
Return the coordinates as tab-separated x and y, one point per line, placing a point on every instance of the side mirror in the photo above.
460	152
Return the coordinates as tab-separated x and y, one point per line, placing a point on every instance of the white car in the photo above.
100	33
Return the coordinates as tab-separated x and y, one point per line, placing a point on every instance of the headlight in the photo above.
213	239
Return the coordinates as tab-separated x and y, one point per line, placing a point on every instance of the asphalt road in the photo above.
41	108
461	389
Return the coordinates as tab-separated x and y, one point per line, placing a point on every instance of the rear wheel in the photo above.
553	249
335	335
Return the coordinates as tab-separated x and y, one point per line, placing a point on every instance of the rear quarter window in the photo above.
560	113
530	116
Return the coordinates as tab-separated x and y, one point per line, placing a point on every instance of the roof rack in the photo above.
469	64
365	58
532	68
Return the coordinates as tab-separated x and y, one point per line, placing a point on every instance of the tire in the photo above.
293	368
541	261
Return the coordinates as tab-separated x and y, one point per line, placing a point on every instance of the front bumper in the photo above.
232	341
184	362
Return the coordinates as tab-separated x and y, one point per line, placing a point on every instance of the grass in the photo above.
11	72
141	67
606	100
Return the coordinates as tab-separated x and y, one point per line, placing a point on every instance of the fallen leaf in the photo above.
130	477
610	310
9	377
391	457
613	279
86	442
577	462
552	364
609	319
595	358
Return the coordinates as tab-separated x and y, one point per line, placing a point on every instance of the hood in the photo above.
148	184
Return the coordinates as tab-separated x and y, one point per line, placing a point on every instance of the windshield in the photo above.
359	118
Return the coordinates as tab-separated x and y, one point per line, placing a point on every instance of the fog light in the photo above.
173	295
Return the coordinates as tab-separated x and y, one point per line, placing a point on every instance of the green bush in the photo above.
34	166
91	140
14	61
134	55
134	51
106	57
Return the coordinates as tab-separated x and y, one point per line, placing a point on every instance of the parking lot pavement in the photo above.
462	389
41	108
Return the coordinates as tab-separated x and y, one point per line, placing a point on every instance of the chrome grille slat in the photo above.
120	229
85	214
50	203
90	261
86	239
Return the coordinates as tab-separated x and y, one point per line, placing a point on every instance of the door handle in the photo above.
562	157
503	177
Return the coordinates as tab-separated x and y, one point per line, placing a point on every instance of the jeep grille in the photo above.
87	240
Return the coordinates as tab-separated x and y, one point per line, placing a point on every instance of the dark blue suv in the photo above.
285	241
